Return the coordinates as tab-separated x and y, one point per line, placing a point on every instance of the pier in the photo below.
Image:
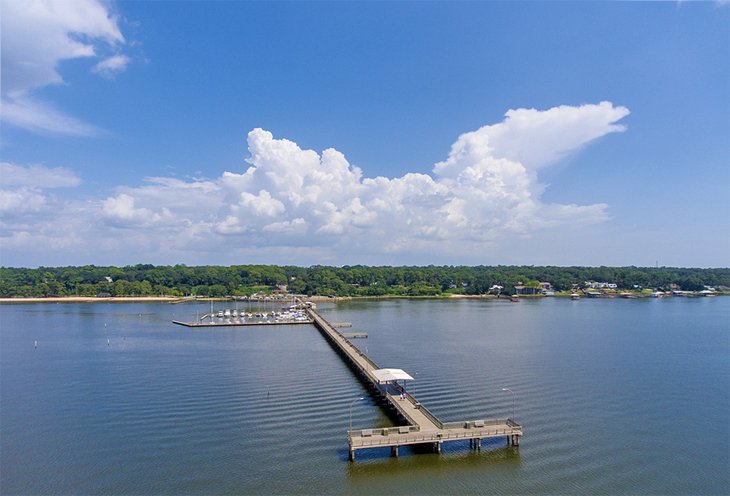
422	426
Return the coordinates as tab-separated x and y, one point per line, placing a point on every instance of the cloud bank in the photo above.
292	205
36	36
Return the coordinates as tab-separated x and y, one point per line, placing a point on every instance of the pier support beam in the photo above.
478	443
394	451
352	455
437	447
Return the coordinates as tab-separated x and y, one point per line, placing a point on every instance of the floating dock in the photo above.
422	426
355	335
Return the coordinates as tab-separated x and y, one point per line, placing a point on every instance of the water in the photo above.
616	397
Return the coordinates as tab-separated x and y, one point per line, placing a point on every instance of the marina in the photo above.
290	315
241	323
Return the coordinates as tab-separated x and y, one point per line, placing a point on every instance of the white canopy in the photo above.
389	375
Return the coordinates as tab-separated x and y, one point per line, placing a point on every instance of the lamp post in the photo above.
514	401
351	404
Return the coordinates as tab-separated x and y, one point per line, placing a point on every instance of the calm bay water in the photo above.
616	397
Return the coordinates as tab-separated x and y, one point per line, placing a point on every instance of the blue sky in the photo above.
578	133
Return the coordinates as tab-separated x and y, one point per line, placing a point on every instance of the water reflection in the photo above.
377	465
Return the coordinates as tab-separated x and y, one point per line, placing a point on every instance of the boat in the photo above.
575	296
514	297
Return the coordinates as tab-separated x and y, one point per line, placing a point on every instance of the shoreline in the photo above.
89	299
314	298
179	299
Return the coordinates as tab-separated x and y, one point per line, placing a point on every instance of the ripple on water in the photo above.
614	398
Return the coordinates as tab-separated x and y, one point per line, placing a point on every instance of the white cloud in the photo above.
295	226
21	189
112	66
37	176
41	117
21	200
537	138
294	202
120	211
261	205
38	34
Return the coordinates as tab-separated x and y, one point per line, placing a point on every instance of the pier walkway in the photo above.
422	427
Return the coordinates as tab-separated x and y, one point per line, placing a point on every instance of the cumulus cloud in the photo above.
120	211
38	34
32	219
21	200
319	206
21	187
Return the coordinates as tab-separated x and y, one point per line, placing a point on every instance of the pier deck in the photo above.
422	427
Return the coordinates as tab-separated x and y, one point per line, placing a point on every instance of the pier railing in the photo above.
345	342
393	436
425	411
478	424
384	431
402	411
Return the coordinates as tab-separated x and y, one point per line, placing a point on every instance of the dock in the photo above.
355	335
421	426
241	323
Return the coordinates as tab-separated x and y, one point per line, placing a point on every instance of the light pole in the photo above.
351	404
514	401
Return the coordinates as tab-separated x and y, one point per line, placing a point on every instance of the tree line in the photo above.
358	280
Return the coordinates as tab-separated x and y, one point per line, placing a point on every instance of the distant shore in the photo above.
89	299
178	299
316	298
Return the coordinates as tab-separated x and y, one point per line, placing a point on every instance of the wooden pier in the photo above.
422	427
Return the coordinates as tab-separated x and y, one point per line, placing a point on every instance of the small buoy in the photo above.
107	342
35	344
104	325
